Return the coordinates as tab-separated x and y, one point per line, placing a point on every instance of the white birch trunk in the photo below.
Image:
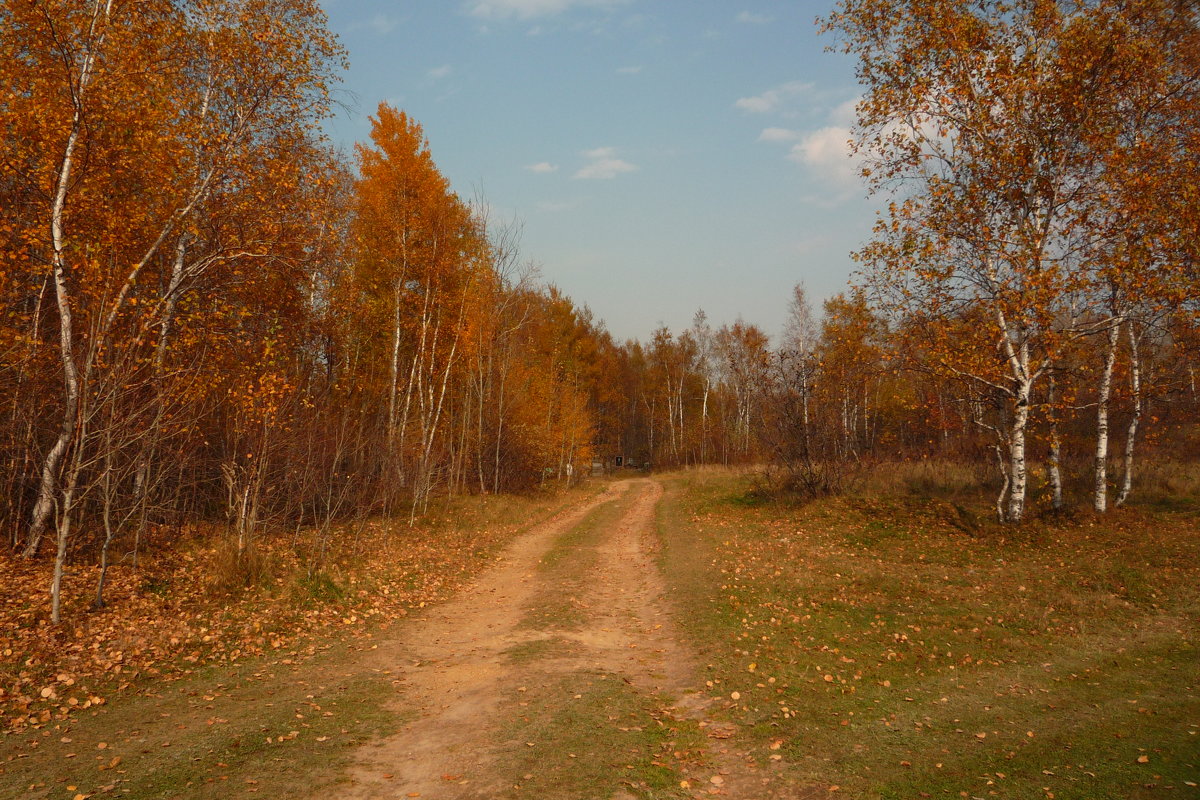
1018	469
1135	385
48	485
1055	466
1100	475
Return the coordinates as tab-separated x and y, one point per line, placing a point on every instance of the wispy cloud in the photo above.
772	98
828	151
443	71
846	113
381	24
629	70
753	19
603	164
825	152
778	135
542	167
529	9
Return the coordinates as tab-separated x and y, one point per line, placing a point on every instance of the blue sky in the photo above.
662	155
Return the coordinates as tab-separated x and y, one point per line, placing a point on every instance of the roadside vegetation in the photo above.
900	643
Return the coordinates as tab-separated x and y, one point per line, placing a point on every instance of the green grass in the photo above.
885	639
229	731
536	649
591	735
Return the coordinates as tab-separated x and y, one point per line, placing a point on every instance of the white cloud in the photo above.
771	98
542	167
528	9
753	19
827	153
846	113
778	135
440	72
629	70
603	165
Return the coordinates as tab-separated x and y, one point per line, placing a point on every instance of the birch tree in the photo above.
988	123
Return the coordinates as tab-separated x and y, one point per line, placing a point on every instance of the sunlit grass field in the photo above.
899	643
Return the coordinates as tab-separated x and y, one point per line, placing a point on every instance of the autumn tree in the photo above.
421	266
993	124
128	125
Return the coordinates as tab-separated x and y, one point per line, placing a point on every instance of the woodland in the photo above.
216	326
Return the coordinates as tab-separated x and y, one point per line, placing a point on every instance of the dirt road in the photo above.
577	601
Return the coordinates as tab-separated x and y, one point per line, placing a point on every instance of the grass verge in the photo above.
892	651
227	731
590	736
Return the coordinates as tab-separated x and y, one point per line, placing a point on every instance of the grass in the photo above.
227	731
536	649
193	601
899	653
591	735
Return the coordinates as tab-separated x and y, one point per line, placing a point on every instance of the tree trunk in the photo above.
48	485
1100	478
1055	465
1006	482
1135	386
1018	469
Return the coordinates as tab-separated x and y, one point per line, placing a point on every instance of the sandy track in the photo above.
452	673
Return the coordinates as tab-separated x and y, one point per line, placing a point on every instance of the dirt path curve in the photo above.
453	673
